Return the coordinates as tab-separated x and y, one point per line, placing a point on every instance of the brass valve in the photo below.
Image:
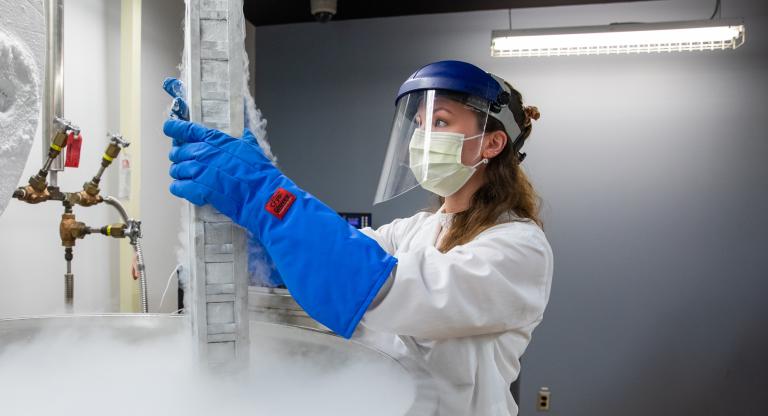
71	230
63	128
91	188
58	143
116	144
85	198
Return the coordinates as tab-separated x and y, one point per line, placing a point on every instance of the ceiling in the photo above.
277	12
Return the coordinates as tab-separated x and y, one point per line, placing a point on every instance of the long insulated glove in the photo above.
331	269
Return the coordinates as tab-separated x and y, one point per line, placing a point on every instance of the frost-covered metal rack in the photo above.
213	65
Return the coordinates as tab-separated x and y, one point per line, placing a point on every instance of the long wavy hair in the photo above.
506	190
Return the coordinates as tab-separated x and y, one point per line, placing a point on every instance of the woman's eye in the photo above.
440	123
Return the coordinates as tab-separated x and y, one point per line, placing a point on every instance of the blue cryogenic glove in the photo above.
331	269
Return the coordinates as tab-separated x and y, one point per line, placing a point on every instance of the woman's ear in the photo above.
494	143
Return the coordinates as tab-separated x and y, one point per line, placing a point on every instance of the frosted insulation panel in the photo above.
213	73
22	57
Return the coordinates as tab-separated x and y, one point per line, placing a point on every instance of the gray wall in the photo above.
653	173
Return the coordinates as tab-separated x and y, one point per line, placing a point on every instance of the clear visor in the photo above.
434	134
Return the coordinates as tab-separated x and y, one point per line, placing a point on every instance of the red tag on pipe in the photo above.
73	150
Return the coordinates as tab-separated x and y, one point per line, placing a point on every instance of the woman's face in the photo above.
452	116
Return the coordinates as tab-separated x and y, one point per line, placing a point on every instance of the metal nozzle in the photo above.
114	230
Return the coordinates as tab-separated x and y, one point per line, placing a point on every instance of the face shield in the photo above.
436	143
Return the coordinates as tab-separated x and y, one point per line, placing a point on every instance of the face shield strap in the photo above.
517	145
502	112
507	118
502	101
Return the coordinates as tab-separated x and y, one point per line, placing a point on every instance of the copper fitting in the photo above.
56	194
84	198
71	230
114	230
91	188
31	195
38	182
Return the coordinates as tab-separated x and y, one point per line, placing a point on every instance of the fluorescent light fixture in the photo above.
620	38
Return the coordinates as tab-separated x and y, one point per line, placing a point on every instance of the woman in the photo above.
460	290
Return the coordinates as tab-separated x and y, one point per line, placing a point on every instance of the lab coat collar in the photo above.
445	219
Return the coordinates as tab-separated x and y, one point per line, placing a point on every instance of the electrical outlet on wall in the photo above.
543	401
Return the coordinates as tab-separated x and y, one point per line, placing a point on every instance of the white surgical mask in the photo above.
443	173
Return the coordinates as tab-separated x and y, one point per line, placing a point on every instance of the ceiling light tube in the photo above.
620	38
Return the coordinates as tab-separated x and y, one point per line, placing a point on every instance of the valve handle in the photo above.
118	139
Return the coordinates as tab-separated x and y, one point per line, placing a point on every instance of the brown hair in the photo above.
506	189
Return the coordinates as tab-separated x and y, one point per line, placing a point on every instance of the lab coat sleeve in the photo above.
498	282
388	234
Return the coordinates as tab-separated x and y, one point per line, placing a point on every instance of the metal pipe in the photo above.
53	96
97	178
47	165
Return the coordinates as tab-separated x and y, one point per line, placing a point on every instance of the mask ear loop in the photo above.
482	161
472	137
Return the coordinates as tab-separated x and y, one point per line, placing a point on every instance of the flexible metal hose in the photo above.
142	277
118	206
69	291
69	282
139	254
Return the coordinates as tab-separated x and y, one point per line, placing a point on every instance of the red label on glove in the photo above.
280	202
74	143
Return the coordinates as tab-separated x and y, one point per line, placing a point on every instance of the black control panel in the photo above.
357	219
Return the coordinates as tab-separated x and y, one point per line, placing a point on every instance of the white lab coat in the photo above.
467	315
